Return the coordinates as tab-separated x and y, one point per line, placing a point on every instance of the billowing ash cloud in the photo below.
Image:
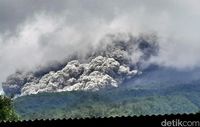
107	67
35	33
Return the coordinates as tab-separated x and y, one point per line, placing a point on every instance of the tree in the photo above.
7	112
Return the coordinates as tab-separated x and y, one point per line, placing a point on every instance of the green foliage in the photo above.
7	112
116	102
96	104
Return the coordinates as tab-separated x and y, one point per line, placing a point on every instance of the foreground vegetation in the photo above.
7	112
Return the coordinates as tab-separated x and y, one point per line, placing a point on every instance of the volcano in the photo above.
117	79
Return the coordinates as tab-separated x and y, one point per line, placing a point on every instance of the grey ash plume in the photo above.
117	58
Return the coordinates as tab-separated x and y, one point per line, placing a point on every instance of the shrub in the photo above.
7	112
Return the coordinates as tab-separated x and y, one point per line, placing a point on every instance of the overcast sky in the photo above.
34	32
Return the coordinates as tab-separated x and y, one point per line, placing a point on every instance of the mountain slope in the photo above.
174	97
81	104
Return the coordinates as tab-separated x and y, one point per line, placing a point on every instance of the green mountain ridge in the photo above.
116	102
157	91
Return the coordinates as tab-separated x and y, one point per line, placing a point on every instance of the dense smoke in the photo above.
36	33
119	57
